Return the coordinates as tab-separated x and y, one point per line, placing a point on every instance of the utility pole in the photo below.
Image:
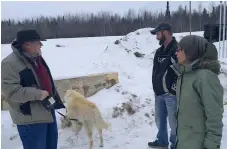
220	26
190	17
224	32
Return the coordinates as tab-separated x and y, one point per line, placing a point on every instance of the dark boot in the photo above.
155	144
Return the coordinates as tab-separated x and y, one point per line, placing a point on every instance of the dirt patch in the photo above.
117	42
129	107
138	54
58	45
147	115
127	50
13	137
125	107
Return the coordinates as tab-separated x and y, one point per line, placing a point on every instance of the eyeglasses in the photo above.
179	49
37	42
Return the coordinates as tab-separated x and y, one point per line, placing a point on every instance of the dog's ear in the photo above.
76	89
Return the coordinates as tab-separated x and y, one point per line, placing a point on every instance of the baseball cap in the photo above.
160	27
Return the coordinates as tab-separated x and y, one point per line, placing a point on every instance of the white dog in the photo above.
87	114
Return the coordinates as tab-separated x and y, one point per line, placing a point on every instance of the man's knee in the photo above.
172	124
33	136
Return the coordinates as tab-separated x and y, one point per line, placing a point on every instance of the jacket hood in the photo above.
209	60
16	47
204	55
212	65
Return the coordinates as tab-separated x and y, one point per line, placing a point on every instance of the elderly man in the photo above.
164	86
28	87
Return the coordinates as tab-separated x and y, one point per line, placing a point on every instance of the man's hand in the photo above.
44	94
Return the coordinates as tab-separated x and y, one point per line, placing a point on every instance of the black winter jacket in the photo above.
164	77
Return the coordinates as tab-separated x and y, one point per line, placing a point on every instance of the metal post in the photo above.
220	20
224	14
190	17
225	32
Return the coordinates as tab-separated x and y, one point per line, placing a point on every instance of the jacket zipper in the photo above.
178	108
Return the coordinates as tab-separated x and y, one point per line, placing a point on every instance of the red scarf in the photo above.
43	75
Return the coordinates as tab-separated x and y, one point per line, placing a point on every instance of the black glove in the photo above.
49	102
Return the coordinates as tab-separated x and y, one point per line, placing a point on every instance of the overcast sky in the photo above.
27	9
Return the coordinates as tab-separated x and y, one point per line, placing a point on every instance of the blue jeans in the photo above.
166	105
39	136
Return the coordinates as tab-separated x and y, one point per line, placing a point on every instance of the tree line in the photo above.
105	23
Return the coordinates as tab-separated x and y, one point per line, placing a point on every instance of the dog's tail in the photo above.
100	122
104	125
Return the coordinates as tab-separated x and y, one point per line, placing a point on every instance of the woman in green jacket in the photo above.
200	95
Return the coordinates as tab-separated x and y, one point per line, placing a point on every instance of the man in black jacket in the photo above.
164	86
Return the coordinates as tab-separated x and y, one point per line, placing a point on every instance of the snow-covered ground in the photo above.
82	56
